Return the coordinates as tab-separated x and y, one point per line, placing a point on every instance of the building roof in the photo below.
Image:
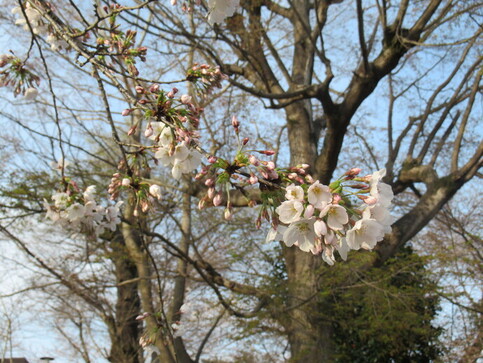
14	360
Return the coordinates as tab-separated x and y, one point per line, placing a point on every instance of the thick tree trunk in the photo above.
310	336
125	342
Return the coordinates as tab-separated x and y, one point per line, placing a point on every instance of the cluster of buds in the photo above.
114	186
178	112
321	218
245	170
15	74
122	44
205	77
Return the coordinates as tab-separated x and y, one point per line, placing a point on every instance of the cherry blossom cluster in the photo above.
122	44
15	74
78	210
146	194
247	169
219	10
321	219
33	18
174	133
174	153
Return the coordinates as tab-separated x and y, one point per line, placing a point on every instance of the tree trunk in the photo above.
309	335
125	343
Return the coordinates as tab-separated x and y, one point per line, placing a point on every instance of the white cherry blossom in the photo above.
75	212
319	195
30	94
381	215
221	9
365	234
275	234
381	191
289	211
294	192
336	216
89	193
60	200
301	233
156	191
164	156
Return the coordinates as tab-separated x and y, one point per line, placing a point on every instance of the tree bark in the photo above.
125	342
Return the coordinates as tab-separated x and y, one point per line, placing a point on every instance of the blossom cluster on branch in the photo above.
15	74
29	17
78	211
218	10
322	219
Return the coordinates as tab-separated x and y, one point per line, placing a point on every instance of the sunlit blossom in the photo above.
302	233
319	195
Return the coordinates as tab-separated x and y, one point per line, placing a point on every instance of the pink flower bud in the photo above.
132	130
228	215
245	141
309	211
353	171
292	176
273	175
320	228
267	152
174	2
210	182
234	122
202	204
271	165
360	186
170	94
252	203
149	131
370	200
126	182
144	205
336	199
139	89
126	112
253	160
211	193
317	249
212	159
305	166
154	88
218	199
253	179
309	179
